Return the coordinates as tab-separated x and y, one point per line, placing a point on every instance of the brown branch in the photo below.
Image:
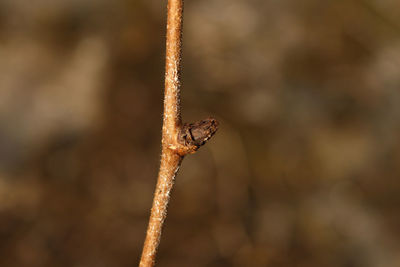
177	139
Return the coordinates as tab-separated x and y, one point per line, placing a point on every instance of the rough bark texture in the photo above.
177	139
170	162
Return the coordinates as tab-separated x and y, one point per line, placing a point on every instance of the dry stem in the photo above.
177	139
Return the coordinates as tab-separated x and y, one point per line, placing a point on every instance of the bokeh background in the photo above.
304	170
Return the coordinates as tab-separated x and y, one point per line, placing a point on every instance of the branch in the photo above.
177	140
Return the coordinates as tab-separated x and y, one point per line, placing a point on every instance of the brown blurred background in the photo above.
304	170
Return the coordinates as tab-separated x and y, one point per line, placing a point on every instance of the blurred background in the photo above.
304	170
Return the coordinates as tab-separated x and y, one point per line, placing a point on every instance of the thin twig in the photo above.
177	139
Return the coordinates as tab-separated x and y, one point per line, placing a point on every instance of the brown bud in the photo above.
194	135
